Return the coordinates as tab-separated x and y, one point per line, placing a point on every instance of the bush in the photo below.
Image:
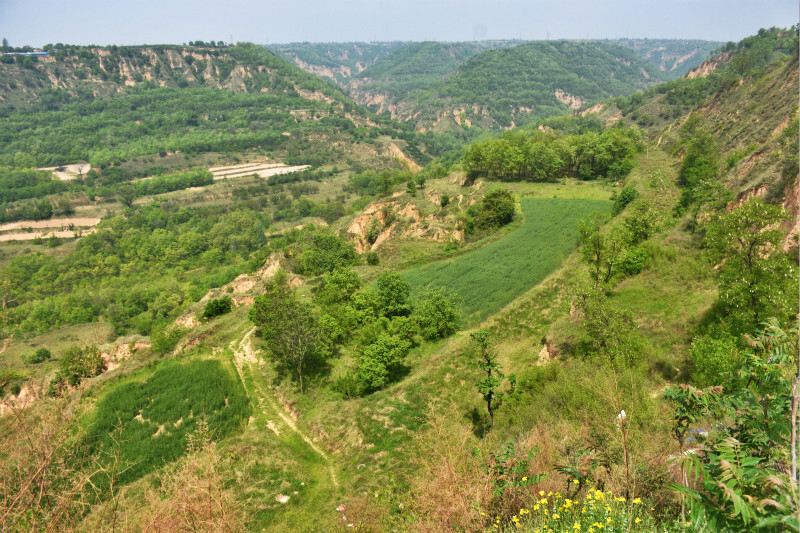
372	258
164	341
39	356
626	196
714	360
635	261
217	307
381	360
437	315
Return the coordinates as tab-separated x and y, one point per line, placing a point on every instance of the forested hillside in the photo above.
413	69
528	82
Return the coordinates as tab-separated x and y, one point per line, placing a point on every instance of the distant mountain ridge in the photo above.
404	79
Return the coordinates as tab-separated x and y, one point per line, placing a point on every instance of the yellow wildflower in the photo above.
637	500
556	516
638	520
525	478
541	493
575	481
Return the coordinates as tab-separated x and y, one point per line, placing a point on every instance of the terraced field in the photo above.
492	276
263	170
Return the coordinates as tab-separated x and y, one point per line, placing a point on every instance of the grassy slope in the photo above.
495	274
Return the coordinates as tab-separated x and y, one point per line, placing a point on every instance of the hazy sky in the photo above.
37	22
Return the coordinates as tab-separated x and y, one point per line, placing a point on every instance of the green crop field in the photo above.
157	414
492	276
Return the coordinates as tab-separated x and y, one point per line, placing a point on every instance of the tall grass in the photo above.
492	276
148	422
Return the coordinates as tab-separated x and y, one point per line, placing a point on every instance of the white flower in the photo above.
622	415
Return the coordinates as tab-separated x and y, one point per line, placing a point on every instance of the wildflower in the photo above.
541	493
575	481
525	478
637	500
543	501
556	516
576	525
536	507
608	520
638	520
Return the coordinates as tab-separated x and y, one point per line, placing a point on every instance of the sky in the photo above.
122	22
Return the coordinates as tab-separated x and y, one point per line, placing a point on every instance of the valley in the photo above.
498	285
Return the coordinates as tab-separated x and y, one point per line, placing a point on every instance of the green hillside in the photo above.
532	81
413	69
491	277
588	323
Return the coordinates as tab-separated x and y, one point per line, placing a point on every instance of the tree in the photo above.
288	325
756	278
126	194
437	315
497	209
488	385
603	253
380	361
392	293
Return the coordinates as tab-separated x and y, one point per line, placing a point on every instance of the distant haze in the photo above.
37	22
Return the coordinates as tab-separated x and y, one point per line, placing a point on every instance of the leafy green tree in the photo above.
380	361
338	286
289	327
756	278
607	331
498	208
642	222
602	252
392	293
126	195
437	315
489	385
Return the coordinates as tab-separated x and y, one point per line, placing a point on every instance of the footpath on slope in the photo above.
248	369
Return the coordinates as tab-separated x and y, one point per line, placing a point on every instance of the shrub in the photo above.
372	258
714	360
164	341
39	356
634	261
626	196
437	315
217	307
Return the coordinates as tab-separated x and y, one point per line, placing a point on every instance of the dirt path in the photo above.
246	362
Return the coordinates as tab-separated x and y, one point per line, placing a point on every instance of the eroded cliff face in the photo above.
104	71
